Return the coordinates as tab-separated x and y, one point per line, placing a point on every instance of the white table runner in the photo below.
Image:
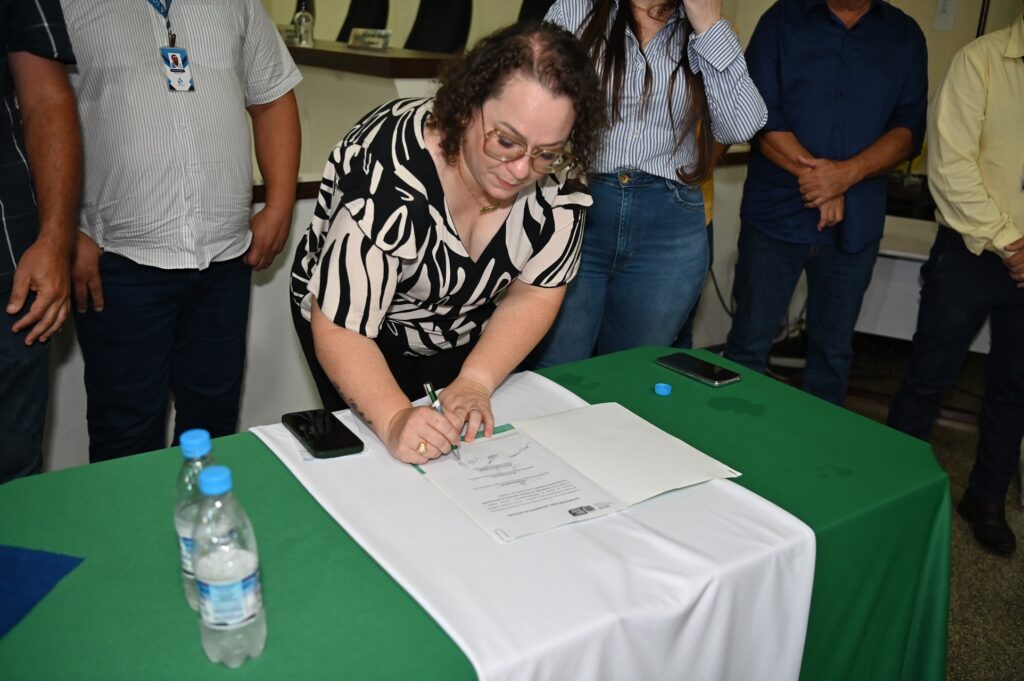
707	582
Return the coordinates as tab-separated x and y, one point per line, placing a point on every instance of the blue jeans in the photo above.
766	274
24	389
959	291
645	257
684	339
162	332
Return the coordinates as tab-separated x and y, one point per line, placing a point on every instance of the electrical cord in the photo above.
729	309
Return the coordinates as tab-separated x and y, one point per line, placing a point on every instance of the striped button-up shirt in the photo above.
168	175
645	138
36	28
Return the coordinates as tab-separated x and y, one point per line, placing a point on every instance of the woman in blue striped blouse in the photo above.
669	69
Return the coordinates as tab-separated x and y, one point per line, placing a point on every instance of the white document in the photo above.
566	467
623	453
512	486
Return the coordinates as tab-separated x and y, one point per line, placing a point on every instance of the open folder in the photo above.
575	465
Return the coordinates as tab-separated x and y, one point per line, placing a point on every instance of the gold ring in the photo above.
421	448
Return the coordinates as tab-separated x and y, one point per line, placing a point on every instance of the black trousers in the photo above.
163	332
960	290
410	372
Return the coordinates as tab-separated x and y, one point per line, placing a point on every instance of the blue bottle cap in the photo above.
215	480
194	443
663	388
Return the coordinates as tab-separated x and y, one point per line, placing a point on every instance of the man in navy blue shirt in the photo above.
39	185
845	82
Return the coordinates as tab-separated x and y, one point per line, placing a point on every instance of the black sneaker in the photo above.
988	520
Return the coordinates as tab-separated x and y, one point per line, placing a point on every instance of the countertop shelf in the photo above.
388	63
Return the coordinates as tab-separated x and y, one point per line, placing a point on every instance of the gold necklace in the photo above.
484	207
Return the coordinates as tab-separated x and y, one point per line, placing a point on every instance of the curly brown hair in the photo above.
539	50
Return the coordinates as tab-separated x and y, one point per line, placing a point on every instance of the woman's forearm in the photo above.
359	373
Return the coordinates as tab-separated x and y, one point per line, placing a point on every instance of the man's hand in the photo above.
1015	262
43	269
825	180
53	152
831	212
269	234
85	274
276	136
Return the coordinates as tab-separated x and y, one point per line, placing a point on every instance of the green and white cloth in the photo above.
707	582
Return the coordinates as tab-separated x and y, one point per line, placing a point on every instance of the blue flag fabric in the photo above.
26	576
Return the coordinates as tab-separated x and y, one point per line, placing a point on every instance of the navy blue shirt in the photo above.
36	28
837	90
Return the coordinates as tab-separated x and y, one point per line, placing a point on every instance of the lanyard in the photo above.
164	11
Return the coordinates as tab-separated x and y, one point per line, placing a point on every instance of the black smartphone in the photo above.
323	436
705	372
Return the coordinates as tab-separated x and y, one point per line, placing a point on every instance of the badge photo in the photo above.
177	69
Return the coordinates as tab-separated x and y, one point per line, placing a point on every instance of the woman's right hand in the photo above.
412	427
702	14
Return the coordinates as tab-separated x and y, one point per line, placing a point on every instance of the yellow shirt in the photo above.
976	142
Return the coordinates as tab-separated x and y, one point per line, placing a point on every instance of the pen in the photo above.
436	404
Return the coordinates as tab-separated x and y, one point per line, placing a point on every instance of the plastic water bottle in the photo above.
195	450
232	622
303	23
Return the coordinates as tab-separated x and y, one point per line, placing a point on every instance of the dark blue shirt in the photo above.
837	90
36	28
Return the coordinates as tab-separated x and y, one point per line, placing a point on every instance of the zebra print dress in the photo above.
382	257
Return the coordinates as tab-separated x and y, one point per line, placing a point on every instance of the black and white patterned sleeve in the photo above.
363	237
562	208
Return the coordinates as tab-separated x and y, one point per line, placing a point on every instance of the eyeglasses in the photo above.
503	148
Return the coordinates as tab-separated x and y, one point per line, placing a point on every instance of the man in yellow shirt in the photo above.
976	268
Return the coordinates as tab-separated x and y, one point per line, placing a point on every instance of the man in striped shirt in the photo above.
39	177
162	270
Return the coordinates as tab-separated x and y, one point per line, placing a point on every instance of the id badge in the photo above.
176	66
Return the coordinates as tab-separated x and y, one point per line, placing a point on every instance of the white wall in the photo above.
330	102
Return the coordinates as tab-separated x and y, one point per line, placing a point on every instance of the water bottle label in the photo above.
226	605
186	554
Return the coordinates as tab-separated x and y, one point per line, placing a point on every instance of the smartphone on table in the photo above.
323	436
705	372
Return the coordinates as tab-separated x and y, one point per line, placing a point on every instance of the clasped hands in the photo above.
823	185
419	434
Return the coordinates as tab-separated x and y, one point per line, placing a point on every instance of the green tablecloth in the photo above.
876	500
